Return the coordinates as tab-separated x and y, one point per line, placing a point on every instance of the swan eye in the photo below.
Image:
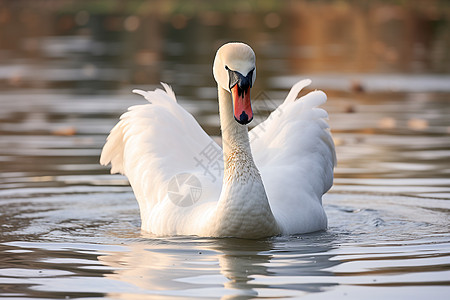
233	78
226	68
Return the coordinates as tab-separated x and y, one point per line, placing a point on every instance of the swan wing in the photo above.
174	167
295	154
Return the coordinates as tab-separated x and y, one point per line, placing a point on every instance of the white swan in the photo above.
265	182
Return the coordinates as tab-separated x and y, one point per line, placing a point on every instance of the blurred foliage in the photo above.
151	40
192	7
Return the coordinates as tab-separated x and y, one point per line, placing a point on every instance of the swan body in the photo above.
261	183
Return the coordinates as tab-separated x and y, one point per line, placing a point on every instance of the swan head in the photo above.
235	71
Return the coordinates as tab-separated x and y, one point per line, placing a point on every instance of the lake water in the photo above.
69	229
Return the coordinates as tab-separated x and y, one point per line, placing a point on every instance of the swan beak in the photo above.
243	113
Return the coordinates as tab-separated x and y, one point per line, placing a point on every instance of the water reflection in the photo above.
227	268
192	267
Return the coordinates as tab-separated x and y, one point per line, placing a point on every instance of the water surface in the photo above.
69	229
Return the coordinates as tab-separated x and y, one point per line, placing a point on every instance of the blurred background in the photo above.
67	68
99	46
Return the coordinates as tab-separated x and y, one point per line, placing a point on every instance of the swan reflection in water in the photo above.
220	267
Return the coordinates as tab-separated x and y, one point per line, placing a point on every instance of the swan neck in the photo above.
243	208
234	135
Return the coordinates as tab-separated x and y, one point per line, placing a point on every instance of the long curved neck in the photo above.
243	209
235	140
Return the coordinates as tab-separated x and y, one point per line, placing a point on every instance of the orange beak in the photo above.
242	105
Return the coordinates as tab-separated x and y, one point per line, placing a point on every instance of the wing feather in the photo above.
152	144
295	154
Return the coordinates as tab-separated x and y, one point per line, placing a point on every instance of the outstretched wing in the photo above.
173	166
294	152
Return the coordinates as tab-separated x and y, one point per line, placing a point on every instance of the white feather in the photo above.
295	154
155	143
